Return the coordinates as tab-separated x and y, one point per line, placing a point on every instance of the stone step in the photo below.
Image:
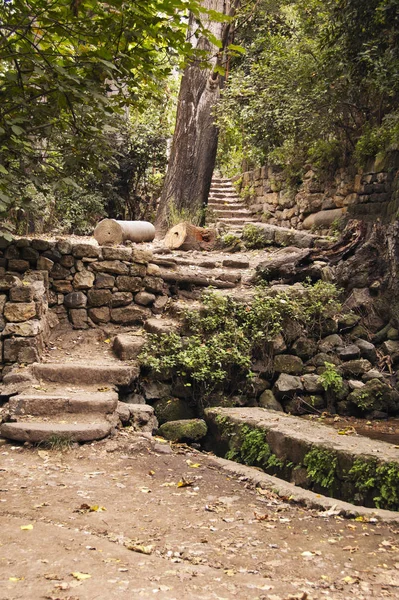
37	431
53	403
241	212
226	206
219	194
86	374
223	188
236	220
194	278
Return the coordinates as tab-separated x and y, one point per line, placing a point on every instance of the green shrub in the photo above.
321	467
330	379
223	338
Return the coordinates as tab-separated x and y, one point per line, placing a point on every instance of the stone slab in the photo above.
289	430
86	374
36	431
52	404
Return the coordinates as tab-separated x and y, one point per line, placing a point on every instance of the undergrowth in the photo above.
223	338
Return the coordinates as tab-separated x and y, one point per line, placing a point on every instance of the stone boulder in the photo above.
268	400
172	409
375	395
190	430
288	363
287	386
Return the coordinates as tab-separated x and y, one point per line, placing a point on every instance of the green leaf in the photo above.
17	130
235	48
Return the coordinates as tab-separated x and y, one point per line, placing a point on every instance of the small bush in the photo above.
225	336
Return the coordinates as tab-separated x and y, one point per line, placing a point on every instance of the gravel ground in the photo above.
134	517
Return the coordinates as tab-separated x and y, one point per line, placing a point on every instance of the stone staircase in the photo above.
70	401
225	206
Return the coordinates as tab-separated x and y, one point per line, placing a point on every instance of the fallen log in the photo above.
186	236
110	231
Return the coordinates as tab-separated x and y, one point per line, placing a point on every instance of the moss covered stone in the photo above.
375	395
288	363
172	409
189	429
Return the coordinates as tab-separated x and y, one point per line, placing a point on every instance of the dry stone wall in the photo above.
368	194
24	318
80	282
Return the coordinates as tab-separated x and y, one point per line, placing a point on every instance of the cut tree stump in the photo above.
186	236
110	231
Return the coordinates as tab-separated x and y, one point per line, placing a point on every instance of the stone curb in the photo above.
301	496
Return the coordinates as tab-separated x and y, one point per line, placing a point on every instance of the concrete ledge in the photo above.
313	456
301	496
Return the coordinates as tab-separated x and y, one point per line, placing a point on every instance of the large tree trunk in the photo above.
193	153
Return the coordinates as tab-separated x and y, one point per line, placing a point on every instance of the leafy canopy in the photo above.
68	69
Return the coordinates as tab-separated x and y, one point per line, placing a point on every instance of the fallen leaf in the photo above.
351	549
145	490
80	576
350	580
107	341
86	508
139	548
52	577
14	579
230	572
27	527
184	483
152	473
193	465
103	389
168	484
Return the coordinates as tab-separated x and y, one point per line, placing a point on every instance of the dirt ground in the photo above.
131	517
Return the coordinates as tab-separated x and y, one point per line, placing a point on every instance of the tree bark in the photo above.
194	146
186	236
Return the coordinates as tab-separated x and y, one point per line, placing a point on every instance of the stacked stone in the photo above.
317	203
23	317
90	285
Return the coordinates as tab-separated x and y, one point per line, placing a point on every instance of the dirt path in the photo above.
217	538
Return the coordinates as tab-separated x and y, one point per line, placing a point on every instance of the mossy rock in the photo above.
190	430
268	400
375	395
288	363
347	321
305	348
172	409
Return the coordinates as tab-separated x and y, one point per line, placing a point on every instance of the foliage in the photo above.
229	240
382	479
321	467
225	335
253	237
254	449
69	72
330	379
318	80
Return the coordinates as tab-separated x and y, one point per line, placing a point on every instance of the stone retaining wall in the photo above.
369	194
24	317
83	283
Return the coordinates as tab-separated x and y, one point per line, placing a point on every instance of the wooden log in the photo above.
110	231
186	236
